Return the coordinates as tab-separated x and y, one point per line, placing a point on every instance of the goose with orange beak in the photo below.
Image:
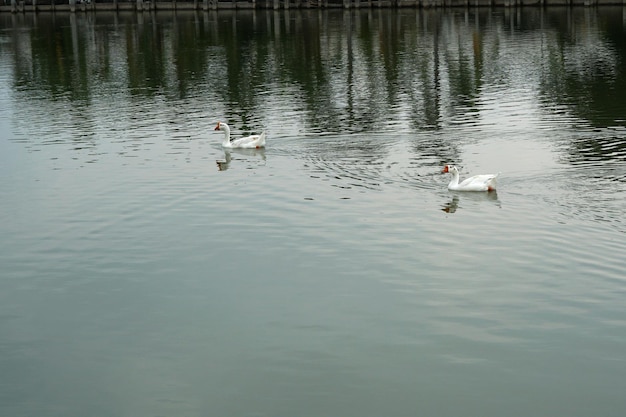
247	142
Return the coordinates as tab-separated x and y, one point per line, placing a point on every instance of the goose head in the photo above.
221	126
450	168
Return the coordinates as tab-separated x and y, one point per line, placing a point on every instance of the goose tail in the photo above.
492	183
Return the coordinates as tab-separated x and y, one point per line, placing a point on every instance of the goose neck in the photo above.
226	130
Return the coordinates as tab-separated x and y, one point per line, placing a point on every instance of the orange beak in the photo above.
217	127
445	169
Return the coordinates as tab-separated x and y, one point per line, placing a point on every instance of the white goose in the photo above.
476	183
248	142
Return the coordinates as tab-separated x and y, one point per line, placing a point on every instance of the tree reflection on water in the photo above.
348	71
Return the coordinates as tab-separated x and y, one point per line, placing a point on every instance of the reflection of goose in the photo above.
472	200
475	183
452	205
224	164
248	142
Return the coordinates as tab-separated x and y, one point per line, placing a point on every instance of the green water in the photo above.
144	271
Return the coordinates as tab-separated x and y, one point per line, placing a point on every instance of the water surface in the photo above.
147	272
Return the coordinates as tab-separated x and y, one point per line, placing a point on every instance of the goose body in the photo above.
247	142
476	183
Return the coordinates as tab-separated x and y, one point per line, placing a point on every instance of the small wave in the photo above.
373	163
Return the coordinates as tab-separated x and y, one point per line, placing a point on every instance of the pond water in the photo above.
144	271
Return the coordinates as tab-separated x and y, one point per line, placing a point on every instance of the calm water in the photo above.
146	272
